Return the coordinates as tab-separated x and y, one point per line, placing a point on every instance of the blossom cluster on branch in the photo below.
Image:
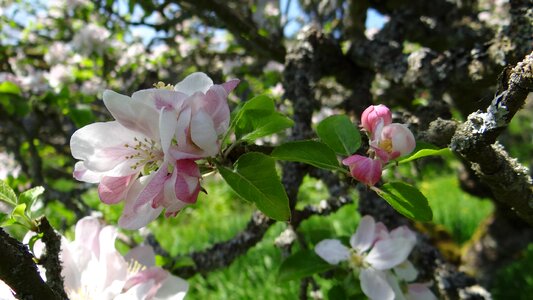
147	157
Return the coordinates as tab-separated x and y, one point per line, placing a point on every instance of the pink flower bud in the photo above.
373	114
393	141
364	169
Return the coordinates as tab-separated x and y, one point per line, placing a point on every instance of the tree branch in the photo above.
18	270
509	181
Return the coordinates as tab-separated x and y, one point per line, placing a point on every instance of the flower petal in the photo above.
203	133
387	254
363	238
419	291
114	189
406	271
332	251
172	288
374	284
195	82
102	146
133	216
134	115
143	254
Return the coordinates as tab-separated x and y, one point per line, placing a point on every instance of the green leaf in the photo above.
30	196
9	87
7	194
302	264
255	179
407	200
424	153
257	118
339	134
309	152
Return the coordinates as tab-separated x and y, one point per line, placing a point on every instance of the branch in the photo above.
50	259
18	270
224	253
474	141
242	28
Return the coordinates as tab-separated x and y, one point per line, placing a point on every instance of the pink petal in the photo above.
133	216
187	184
363	238
373	114
114	189
160	98
153	187
374	285
332	251
154	274
215	104
168	123
364	169
230	85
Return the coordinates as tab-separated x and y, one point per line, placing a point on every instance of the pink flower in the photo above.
392	141
146	157
94	269
374	114
372	254
364	169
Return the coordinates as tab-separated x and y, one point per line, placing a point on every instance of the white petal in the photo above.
87	233
172	288
374	285
332	251
406	271
81	173
419	291
134	115
143	254
168	122
102	145
389	253
395	285
196	82
203	133
159	98
364	236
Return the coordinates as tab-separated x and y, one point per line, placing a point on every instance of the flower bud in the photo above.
373	114
364	169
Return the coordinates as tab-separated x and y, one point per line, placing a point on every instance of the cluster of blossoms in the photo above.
379	257
94	269
388	141
147	157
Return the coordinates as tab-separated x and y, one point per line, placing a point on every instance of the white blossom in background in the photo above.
273	66
277	90
185	46
59	75
91	38
57	53
93	86
8	166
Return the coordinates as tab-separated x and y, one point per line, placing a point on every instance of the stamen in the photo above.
161	85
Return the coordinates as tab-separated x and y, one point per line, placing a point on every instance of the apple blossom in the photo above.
364	169
94	269
374	251
374	114
147	156
392	141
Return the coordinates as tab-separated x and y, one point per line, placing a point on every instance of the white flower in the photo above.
373	252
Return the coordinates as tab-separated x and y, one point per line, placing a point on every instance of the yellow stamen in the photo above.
162	85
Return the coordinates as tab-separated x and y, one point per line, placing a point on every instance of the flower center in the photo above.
386	145
357	260
147	153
